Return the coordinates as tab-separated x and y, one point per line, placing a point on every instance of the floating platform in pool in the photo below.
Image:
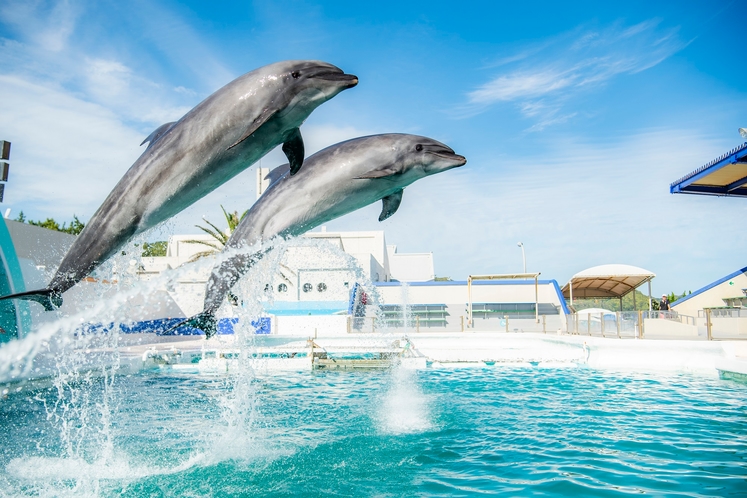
296	355
732	368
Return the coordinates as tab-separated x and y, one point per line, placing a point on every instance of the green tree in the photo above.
154	249
613	304
674	297
221	237
76	226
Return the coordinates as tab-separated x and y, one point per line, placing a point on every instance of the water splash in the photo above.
79	359
404	408
244	428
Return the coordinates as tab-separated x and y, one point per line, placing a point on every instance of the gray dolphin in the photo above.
186	160
333	182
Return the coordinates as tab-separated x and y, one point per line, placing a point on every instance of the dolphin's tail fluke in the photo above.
204	321
50	299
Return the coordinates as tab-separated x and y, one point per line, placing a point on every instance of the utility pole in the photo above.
4	166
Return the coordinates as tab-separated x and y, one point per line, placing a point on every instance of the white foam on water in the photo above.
120	468
51	476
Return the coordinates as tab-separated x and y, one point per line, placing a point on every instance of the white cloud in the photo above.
575	63
76	118
134	98
46	24
72	70
521	85
67	153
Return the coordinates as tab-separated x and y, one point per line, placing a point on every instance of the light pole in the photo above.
523	256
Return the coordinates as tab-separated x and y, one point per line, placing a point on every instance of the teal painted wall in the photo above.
14	315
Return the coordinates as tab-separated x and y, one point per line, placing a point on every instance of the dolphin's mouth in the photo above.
455	158
447	153
334	74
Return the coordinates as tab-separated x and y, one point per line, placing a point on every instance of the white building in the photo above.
729	292
410	267
312	274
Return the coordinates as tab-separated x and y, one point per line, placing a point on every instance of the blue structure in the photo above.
14	316
710	286
261	325
725	176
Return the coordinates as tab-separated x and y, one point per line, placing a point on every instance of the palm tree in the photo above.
220	236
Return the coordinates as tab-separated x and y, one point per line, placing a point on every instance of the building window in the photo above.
307	287
282	288
321	287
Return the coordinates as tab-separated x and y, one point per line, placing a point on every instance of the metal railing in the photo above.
724	325
724	313
505	323
618	324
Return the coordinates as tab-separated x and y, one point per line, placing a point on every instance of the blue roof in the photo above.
711	286
724	176
432	283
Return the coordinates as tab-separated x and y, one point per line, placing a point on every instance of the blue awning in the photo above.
725	176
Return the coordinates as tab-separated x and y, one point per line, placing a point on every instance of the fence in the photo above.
727	324
414	323
709	325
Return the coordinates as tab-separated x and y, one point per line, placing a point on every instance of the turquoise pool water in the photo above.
457	432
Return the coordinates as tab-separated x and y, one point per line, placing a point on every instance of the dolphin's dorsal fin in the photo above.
277	173
293	148
379	173
157	133
390	204
261	119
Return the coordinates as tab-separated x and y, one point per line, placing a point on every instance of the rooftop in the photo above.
724	176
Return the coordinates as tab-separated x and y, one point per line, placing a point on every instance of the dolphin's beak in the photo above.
460	160
447	153
335	74
455	158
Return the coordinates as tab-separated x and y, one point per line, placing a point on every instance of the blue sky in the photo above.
574	118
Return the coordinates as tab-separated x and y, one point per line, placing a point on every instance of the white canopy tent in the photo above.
608	281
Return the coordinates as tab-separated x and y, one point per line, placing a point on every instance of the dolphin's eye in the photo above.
418	147
295	74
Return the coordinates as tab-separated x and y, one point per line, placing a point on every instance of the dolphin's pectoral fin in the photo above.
379	173
391	204
50	299
293	148
204	321
157	133
262	119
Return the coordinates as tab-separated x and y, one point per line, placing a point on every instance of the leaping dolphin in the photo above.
333	182
186	160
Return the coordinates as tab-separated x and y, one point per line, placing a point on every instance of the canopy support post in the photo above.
570	284
649	295
536	298
469	302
